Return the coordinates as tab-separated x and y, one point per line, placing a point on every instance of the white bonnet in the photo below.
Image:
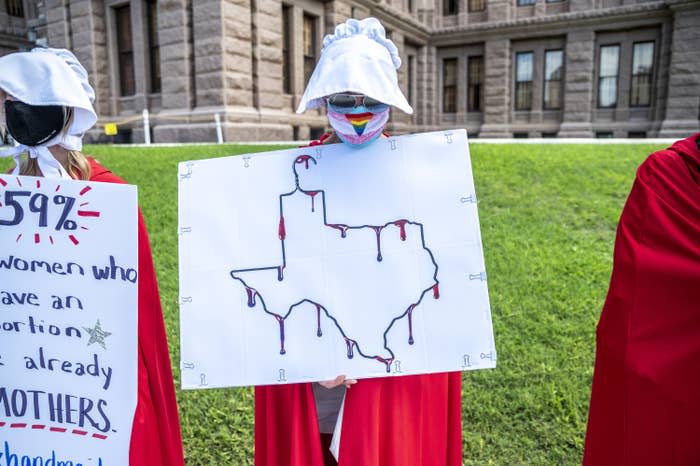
47	76
358	57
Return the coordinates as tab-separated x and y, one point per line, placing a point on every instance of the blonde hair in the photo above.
77	165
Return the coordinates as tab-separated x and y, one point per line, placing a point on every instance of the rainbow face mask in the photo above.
359	127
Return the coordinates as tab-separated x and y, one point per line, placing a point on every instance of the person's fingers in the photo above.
333	383
349	382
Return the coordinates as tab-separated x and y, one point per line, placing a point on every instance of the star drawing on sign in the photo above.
97	335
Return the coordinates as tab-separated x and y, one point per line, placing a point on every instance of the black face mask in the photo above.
32	125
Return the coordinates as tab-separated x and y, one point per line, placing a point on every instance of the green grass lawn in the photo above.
548	217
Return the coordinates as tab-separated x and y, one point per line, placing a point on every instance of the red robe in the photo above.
155	438
645	404
392	421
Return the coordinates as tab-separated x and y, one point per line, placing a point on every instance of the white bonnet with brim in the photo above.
356	58
47	76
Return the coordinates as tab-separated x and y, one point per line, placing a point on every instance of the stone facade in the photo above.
22	25
245	60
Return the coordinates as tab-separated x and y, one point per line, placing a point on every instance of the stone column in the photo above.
176	55
335	12
498	77
683	101
578	85
297	55
223	53
274	122
89	40
426	95
268	54
499	10
58	31
178	87
224	65
661	67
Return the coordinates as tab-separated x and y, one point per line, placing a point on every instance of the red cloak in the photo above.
155	438
645	403
390	421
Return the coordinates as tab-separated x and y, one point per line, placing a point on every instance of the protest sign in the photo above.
68	321
303	264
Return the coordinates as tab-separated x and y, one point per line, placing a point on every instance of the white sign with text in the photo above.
68	321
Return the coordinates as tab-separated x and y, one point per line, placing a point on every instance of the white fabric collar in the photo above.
49	166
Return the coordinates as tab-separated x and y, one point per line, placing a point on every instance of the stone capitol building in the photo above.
500	68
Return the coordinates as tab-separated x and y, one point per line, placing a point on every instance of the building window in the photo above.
475	77
411	77
286	49
526	2
14	8
553	65
642	68
125	50
476	5
604	134
450	7
523	80
449	85
410	6
154	44
609	71
309	46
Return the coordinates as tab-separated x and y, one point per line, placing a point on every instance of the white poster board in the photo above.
68	321
303	264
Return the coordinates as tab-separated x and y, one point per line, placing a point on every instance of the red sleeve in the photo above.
155	438
320	141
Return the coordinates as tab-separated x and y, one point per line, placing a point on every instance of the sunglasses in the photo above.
350	101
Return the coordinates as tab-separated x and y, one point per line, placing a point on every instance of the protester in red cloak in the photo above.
645	403
394	421
155	437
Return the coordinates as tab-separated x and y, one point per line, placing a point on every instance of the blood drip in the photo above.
349	343
378	231
312	194
282	231
303	159
319	333
251	296
280	273
281	322
410	323
436	291
402	227
342	228
387	362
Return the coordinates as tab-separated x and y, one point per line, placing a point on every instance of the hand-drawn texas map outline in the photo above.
352	344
